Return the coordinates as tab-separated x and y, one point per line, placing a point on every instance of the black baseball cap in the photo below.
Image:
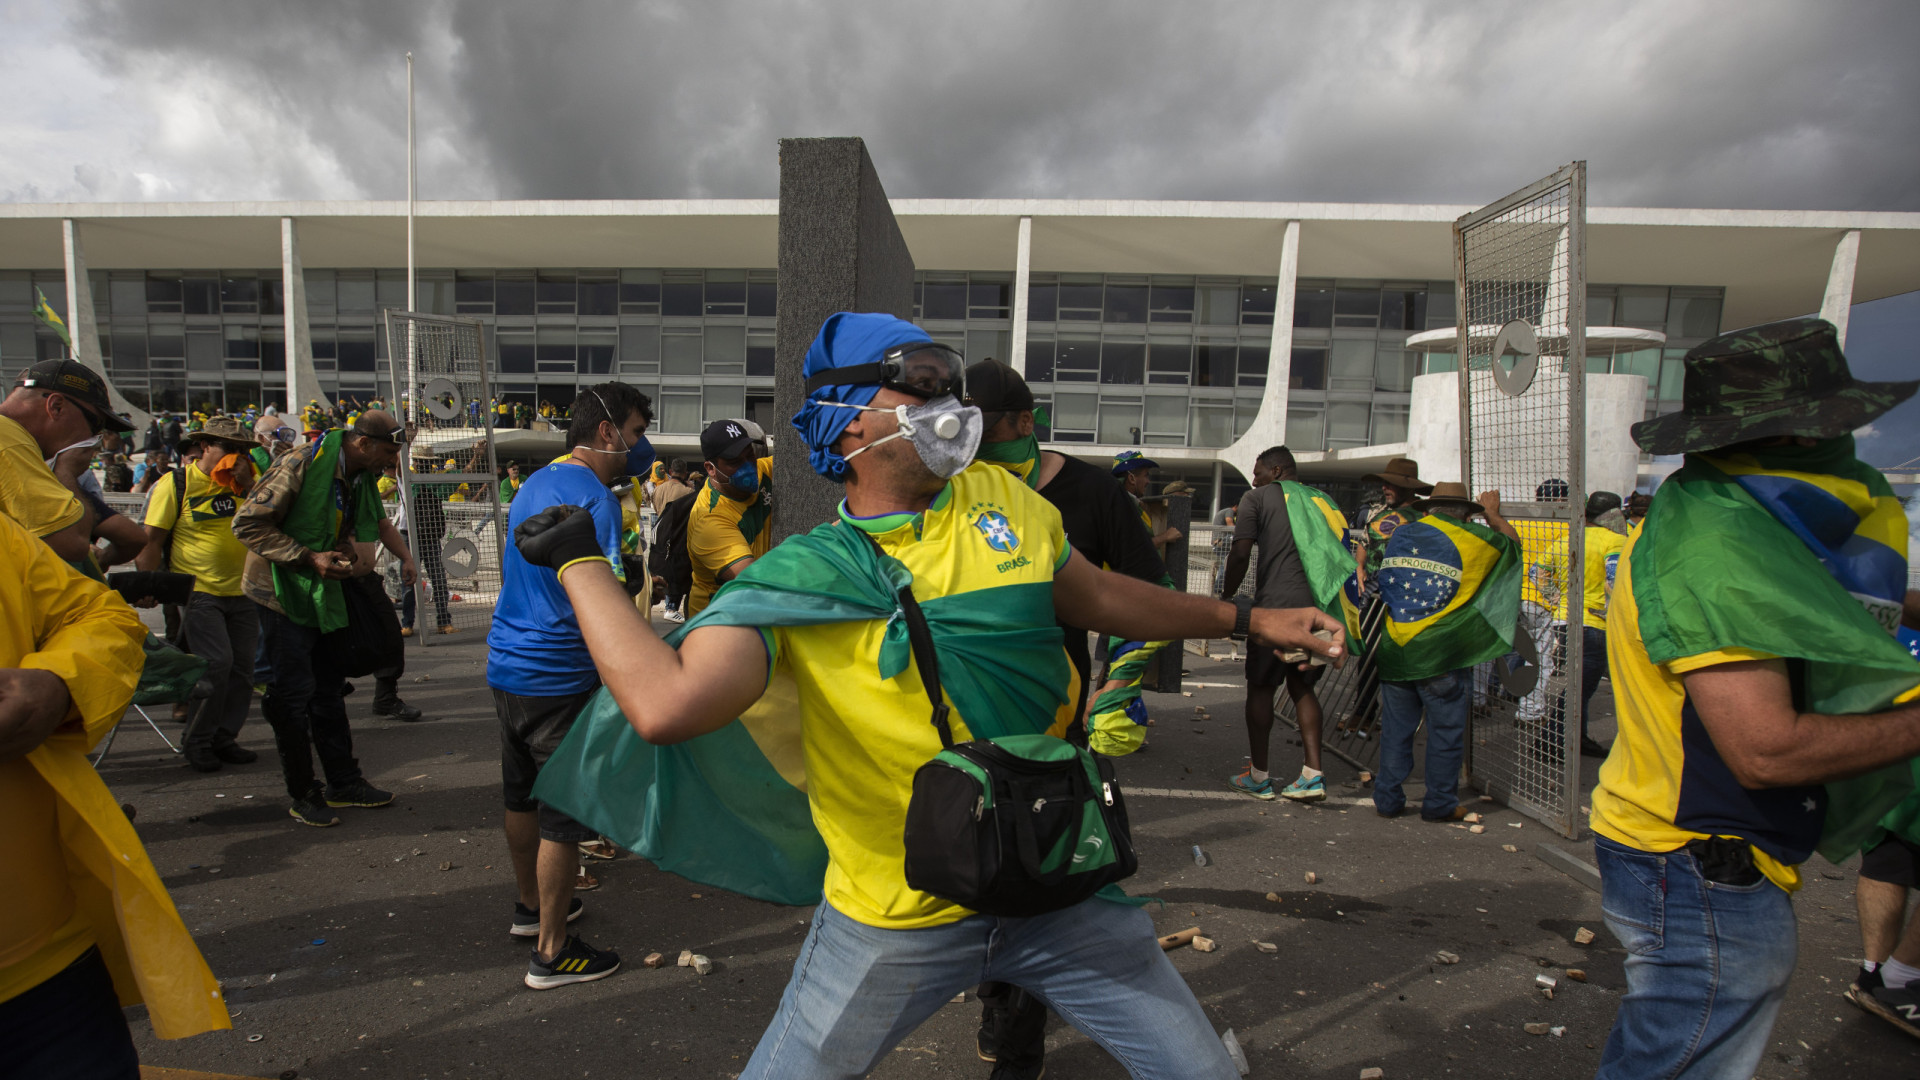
1600	502
728	439
995	387
79	382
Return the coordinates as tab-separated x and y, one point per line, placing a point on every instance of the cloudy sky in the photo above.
1730	103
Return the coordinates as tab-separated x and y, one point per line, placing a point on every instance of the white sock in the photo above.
1309	774
1258	775
1895	973
1869	966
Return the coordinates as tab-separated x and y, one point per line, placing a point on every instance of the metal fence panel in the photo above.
1520	275
448	474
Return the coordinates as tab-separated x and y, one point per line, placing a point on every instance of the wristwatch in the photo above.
1243	615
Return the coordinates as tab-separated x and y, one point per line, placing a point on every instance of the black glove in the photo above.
557	536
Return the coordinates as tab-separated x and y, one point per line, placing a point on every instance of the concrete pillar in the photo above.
1614	404
1433	426
840	250
1022	259
1269	427
303	382
1219	470
1837	304
84	328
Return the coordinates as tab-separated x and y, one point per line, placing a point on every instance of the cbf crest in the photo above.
997	531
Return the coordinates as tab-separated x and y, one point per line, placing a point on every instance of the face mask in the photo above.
747	477
90	441
943	432
640	457
1019	456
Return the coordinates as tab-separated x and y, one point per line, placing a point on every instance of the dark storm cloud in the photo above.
1745	104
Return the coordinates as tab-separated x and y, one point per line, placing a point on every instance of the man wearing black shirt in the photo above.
1102	522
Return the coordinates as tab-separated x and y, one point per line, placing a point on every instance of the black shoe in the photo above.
202	758
1897	1005
235	754
312	810
1589	748
526	921
358	793
1014	1072
577	962
1863	981
397	710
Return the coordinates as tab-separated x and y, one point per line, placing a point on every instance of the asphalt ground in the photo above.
379	948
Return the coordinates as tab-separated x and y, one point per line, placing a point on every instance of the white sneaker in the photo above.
675	616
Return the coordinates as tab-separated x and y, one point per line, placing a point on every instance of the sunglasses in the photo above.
95	422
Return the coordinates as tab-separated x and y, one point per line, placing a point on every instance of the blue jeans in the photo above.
1707	966
857	990
1444	699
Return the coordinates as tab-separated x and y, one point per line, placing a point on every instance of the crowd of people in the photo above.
1754	727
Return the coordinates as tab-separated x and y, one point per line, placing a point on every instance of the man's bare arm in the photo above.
126	539
1111	603
1747	709
669	695
732	570
1237	561
71	543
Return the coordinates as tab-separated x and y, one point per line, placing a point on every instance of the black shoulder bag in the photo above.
1015	826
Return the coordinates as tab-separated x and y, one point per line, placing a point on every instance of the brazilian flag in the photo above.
1714	569
1452	590
1318	531
729	808
45	313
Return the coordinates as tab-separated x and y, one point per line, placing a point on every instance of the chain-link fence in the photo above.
1519	266
448	487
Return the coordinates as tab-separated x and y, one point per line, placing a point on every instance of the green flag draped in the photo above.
729	809
1319	529
1714	569
305	596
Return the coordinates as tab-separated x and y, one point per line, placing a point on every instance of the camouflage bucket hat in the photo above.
1783	378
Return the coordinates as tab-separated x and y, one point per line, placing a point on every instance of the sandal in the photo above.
585	882
602	848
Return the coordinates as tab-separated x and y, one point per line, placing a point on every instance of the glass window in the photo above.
1120	423
763	298
722	402
1165	415
164	295
129	350
513	295
982	344
554	294
1672	375
1126	303
1403	309
990	300
390	289
1439	305
1244	412
599	296
1253	363
683	299
242	343
1080	300
201	295
1393	369
204	352
943	300
1123	362
554	348
1306	429
1075	411
273	350
1389	424
1039	360
1642	305
356	293
1256	304
126	295
1308	369
1599	309
1313	306
1172	303
1042	302
760	359
640	291
725	345
1215	365
240	295
1169	362
680	351
1356	307
516	350
679	411
472	294
726	297
597	346
1347	423
1434	362
1218	305
356	351
173	345
1644	362
16	343
1210	425
1693	317
434	295
1078	359
1351	364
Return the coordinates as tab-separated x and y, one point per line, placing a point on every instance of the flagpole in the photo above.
412	301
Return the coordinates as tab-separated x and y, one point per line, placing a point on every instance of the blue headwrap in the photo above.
845	339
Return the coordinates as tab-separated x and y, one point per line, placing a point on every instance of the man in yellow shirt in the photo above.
883	415
1600	562
1543	601
54	404
190	518
89	927
732	521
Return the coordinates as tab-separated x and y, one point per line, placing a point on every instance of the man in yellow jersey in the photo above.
1543	601
89	926
1753	668
1601	563
731	523
190	517
883	416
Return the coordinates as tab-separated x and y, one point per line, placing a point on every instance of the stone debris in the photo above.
1516	825
686	958
1538	1029
1366	777
1175	940
958	998
1266	946
1238	1055
700	964
1274	896
1576	975
1508	848
1312	878
1547	984
1446	957
1476	829
1583	936
1557	1030
1373	1073
446	866
1486	798
654	960
1472	819
1204	944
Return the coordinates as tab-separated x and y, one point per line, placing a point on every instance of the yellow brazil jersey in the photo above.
722	531
203	540
1544	546
864	738
1664	784
29	494
1602	560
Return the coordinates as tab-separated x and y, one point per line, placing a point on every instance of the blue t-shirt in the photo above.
535	648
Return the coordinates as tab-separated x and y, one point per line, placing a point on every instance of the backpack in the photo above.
670	546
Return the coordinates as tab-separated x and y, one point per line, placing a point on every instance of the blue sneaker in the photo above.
1305	790
1245	784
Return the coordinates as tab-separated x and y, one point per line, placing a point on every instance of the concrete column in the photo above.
1614	404
1433	426
1838	302
303	383
1269	427
1022	259
1218	476
84	328
840	250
